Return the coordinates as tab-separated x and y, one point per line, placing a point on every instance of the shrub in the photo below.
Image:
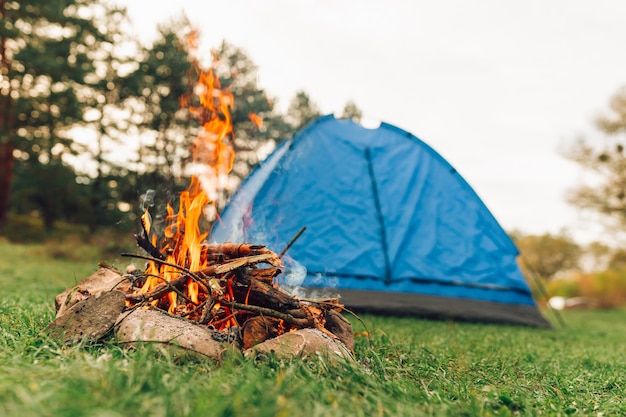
607	289
24	229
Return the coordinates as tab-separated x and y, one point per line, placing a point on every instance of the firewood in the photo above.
146	245
303	343
189	273
154	326
288	318
258	329
159	290
266	275
227	251
234	290
103	280
236	264
340	327
262	294
212	270
89	319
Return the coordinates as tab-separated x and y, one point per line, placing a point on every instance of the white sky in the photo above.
496	87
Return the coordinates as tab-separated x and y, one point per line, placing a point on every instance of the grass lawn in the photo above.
407	367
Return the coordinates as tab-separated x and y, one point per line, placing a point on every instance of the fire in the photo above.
213	154
219	285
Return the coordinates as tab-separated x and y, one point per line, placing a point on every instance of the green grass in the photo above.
409	367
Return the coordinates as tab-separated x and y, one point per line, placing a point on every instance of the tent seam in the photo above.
379	214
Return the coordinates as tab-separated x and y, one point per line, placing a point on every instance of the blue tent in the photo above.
392	227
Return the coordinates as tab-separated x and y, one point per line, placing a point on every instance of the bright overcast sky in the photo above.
496	87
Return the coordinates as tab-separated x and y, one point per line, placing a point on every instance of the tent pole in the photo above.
379	213
542	290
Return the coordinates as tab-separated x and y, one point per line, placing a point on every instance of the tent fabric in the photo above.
391	226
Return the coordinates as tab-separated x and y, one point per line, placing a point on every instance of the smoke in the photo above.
294	273
155	216
147	199
293	276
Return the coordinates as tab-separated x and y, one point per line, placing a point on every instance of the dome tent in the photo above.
391	226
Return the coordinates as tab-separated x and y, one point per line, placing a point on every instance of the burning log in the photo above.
261	293
218	253
232	290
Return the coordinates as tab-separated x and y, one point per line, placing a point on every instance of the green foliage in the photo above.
566	287
617	260
24	229
49	59
606	289
351	111
302	110
164	75
63	75
547	254
59	199
605	158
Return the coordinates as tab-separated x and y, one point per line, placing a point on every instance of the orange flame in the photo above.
212	154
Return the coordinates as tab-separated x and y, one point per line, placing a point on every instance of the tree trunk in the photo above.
6	175
6	130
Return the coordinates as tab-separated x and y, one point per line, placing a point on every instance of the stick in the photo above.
272	313
238	263
159	290
146	245
291	242
171	286
207	313
198	307
182	268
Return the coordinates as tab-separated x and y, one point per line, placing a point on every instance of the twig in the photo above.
237	263
269	312
171	287
207	313
159	290
192	274
225	319
146	245
124	278
291	242
198	307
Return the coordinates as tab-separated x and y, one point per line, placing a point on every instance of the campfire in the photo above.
200	296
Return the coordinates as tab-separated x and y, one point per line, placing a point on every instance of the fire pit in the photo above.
199	296
231	304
